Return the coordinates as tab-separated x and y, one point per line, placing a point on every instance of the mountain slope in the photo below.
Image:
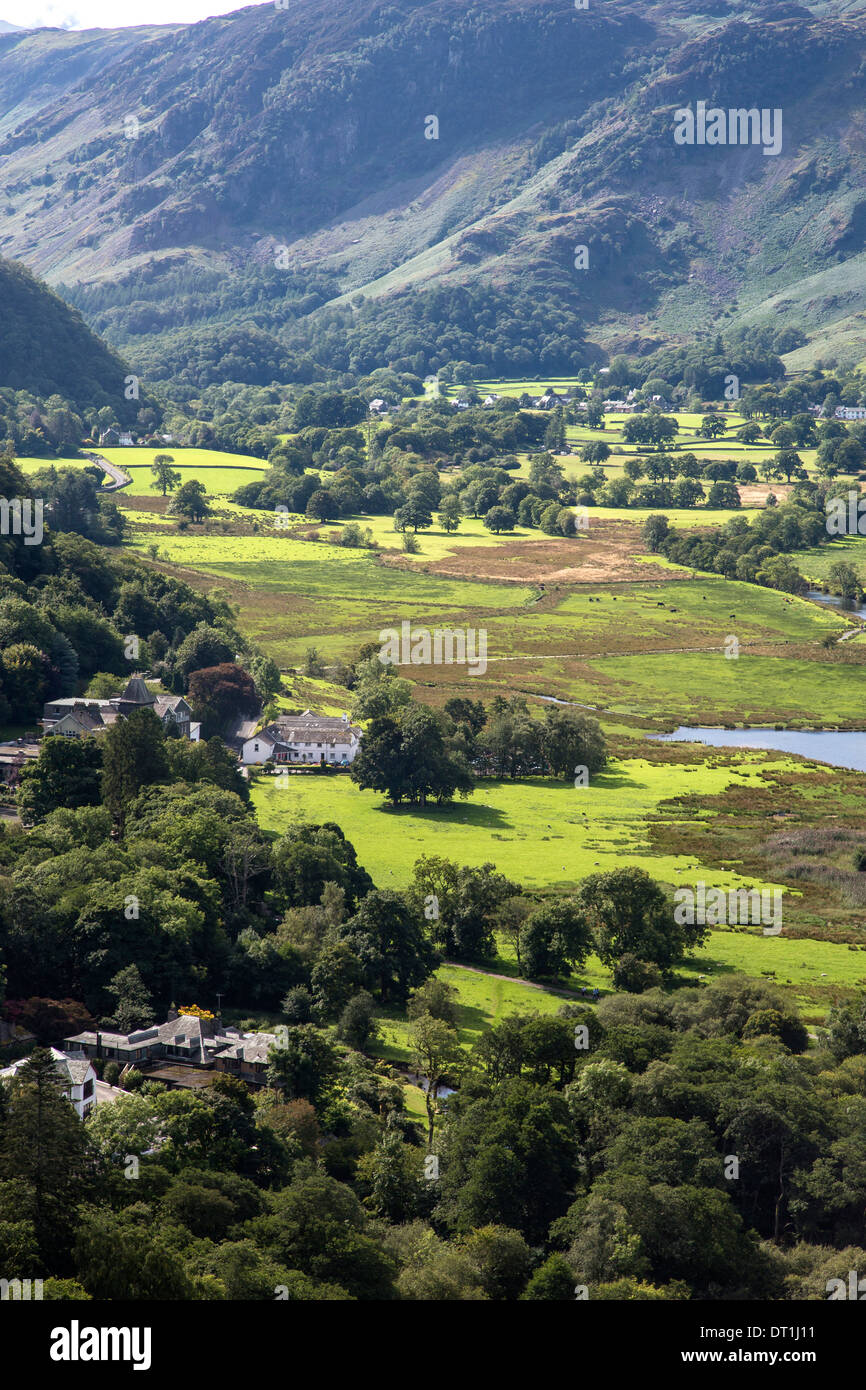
277	186
47	349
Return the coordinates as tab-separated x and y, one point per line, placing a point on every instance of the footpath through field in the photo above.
517	980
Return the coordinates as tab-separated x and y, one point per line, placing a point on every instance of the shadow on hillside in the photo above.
710	966
471	1019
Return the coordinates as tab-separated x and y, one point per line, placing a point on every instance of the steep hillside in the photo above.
47	349
239	198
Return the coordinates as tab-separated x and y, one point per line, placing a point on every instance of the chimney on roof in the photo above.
172	1014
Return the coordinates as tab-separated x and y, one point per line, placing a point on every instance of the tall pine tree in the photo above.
43	1149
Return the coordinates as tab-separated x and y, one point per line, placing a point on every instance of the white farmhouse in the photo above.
304	738
77	1078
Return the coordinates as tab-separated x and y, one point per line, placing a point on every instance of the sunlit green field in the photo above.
550	835
807	970
693	612
706	687
29	466
688	439
482	1002
682	517
605	622
590	644
216	481
816	564
220	473
541	832
434	543
284	562
812	968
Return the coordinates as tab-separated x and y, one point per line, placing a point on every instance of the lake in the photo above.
824	746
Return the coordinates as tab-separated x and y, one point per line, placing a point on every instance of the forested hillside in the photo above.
48	350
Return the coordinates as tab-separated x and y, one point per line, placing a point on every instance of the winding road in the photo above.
119	477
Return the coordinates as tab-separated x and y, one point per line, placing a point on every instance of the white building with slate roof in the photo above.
76	1074
304	738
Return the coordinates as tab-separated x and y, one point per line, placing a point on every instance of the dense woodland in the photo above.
47	350
688	1150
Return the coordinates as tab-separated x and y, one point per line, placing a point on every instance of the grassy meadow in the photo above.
218	472
541	832
673	819
653	649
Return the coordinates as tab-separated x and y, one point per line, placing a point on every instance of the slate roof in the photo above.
137	693
202	1039
252	1047
71	1066
89	720
170	702
70	702
311	728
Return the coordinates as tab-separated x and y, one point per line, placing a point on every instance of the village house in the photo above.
183	1050
77	1077
15	755
75	716
304	738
